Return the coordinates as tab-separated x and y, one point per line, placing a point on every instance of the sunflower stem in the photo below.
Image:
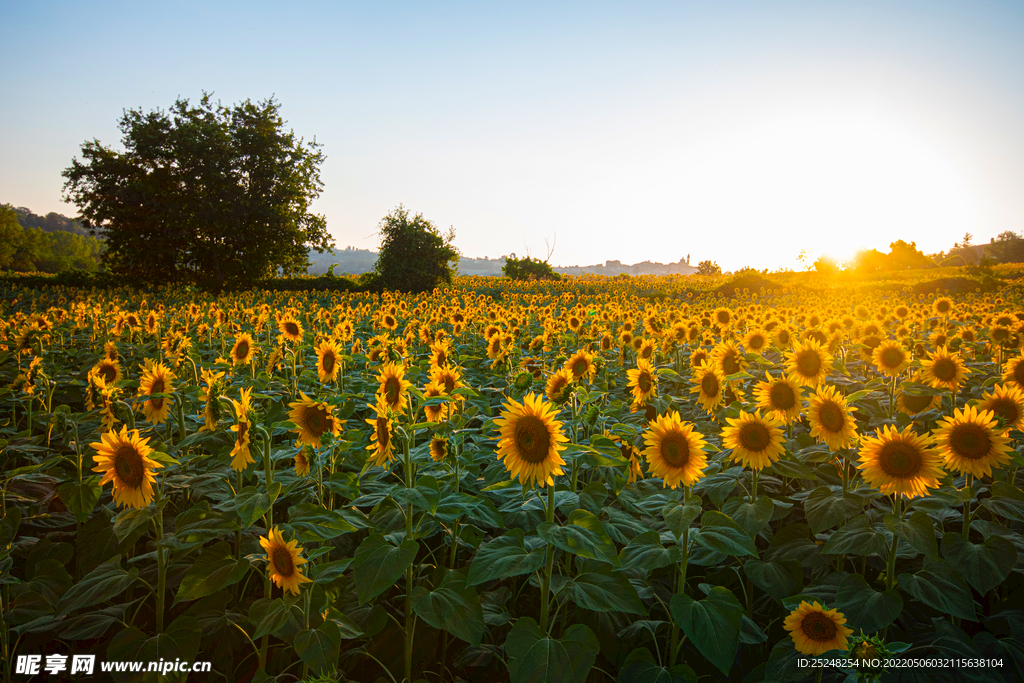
890	568
684	562
969	486
268	472
409	483
161	565
545	602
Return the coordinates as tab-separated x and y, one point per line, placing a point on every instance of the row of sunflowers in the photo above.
516	483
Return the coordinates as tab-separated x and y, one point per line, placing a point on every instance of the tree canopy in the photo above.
208	194
26	249
528	268
414	256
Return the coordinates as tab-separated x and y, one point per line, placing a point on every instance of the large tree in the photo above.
208	194
414	255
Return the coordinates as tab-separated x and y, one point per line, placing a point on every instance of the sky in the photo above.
737	132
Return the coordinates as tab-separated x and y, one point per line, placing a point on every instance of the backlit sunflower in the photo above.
779	397
240	456
302	461
327	360
816	630
109	370
244	349
438	448
210	396
675	452
312	420
890	358
710	386
437	412
559	386
581	365
283	561
830	418
728	358
970	443
756	441
291	329
944	369
394	387
382	446
643	382
530	439
1013	371
156	379
900	463
1007	402
123	459
808	363
756	341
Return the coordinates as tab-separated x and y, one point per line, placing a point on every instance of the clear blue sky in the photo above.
737	132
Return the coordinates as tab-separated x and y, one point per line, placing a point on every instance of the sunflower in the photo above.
728	358
530	439
643	381
156	379
382	446
109	370
911	404
581	365
448	377
756	341
439	353
210	397
779	397
291	329
644	348
900	463
675	452
438	448
943	306
123	459
283	561
302	464
244	349
890	358
558	386
312	420
327	362
1007	402
1013	371
970	443
830	418
944	369
816	630
631	455
709	381
394	387
808	363
240	456
756	441
438	412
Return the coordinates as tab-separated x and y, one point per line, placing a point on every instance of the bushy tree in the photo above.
414	256
208	194
1008	247
527	268
709	268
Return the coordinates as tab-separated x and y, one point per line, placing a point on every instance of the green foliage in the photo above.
527	268
27	249
414	256
207	194
902	256
709	268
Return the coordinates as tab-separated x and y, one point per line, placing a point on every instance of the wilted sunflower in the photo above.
944	369
283	561
530	439
558	386
816	630
581	365
291	329
438	448
244	350
710	385
382	445
327	361
900	463
312	420
756	441
1007	402
970	443
123	459
438	412
643	382
675	452
890	358
780	397
394	387
156	379
240	456
808	363
830	418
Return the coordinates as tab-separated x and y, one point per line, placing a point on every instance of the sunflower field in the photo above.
586	480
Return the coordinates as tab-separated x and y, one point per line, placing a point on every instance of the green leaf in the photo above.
103	583
794	469
856	537
941	588
778	579
533	657
131	519
270	616
584	535
824	509
379	565
783	664
712	624
645	553
752	517
640	667
680	517
918	531
1007	501
214	569
347	628
453	606
600	592
80	499
253	503
319	647
180	640
718	532
9	526
984	565
425	496
314	523
864	607
503	557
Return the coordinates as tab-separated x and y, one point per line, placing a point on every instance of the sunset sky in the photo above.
737	132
